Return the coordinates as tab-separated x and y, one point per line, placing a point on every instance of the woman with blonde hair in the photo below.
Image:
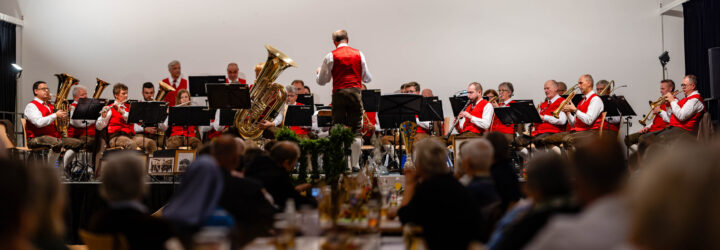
182	135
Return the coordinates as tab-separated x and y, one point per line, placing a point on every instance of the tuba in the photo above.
266	97
99	88
163	89
407	131
65	82
570	94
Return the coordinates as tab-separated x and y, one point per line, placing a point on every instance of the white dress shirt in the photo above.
325	74
35	117
482	122
216	123
691	107
594	109
103	122
562	118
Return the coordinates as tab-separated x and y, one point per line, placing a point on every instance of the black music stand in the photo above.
371	100
306	99
147	114
228	96
324	121
227	117
457	103
397	108
188	116
299	115
431	111
88	109
197	83
624	109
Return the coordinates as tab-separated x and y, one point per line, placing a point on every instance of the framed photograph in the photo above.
161	165
457	144
183	159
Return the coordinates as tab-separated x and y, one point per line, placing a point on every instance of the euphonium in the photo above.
266	97
99	88
65	82
570	94
163	90
654	104
407	132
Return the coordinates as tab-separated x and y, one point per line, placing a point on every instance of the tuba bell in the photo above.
101	85
266	97
163	89
65	82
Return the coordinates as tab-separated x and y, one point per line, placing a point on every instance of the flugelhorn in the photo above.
656	103
99	88
163	89
570	94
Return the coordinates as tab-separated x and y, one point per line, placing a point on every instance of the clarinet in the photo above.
457	119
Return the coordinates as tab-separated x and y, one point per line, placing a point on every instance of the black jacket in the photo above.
276	181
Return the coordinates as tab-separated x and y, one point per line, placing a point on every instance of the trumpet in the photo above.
653	105
570	94
115	104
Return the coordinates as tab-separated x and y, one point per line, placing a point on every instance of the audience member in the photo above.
123	186
16	212
434	200
50	198
503	172
599	171
548	186
476	160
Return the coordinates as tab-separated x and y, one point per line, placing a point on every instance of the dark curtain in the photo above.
702	31
8	83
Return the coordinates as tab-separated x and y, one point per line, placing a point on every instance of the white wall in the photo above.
443	45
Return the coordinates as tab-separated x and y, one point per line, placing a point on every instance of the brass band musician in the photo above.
477	117
661	115
114	117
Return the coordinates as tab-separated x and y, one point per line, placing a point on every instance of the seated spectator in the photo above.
244	198
548	187
274	174
476	159
438	203
598	170
503	172
123	186
16	212
50	207
672	202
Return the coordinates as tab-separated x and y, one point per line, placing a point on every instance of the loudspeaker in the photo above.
714	63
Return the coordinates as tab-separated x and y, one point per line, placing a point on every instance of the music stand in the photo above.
88	109
299	115
147	114
626	110
227	117
188	116
524	112
431	109
371	100
505	115
197	83
306	99
397	108
324	120
457	103
228	96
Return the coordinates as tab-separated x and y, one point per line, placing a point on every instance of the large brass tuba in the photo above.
266	97
101	85
65	82
163	89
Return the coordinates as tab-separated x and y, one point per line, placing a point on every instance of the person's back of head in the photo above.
50	202
599	167
672	200
547	177
123	177
429	157
476	156
500	145
225	152
17	204
285	154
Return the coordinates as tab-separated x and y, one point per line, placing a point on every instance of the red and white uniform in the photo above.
587	116
79	128
41	119
661	120
482	113
550	124
178	84
497	125
686	113
116	122
346	66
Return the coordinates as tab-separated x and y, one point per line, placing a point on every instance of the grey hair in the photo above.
291	89
478	154
429	156
590	78
123	177
76	89
509	85
172	63
232	64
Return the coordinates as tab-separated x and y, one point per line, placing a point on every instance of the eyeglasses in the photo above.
503	90
683	85
44	89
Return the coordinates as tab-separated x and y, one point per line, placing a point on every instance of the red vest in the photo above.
477	111
498	126
372	117
240	80
77	132
583	106
691	123
611	126
420	130
180	131
546	127
33	131
347	68
170	96
118	124
299	130
213	133
658	123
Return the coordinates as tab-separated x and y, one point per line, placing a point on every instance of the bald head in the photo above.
427	93
225	151
477	156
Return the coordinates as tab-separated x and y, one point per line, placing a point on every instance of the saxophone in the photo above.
266	97
99	88
65	82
